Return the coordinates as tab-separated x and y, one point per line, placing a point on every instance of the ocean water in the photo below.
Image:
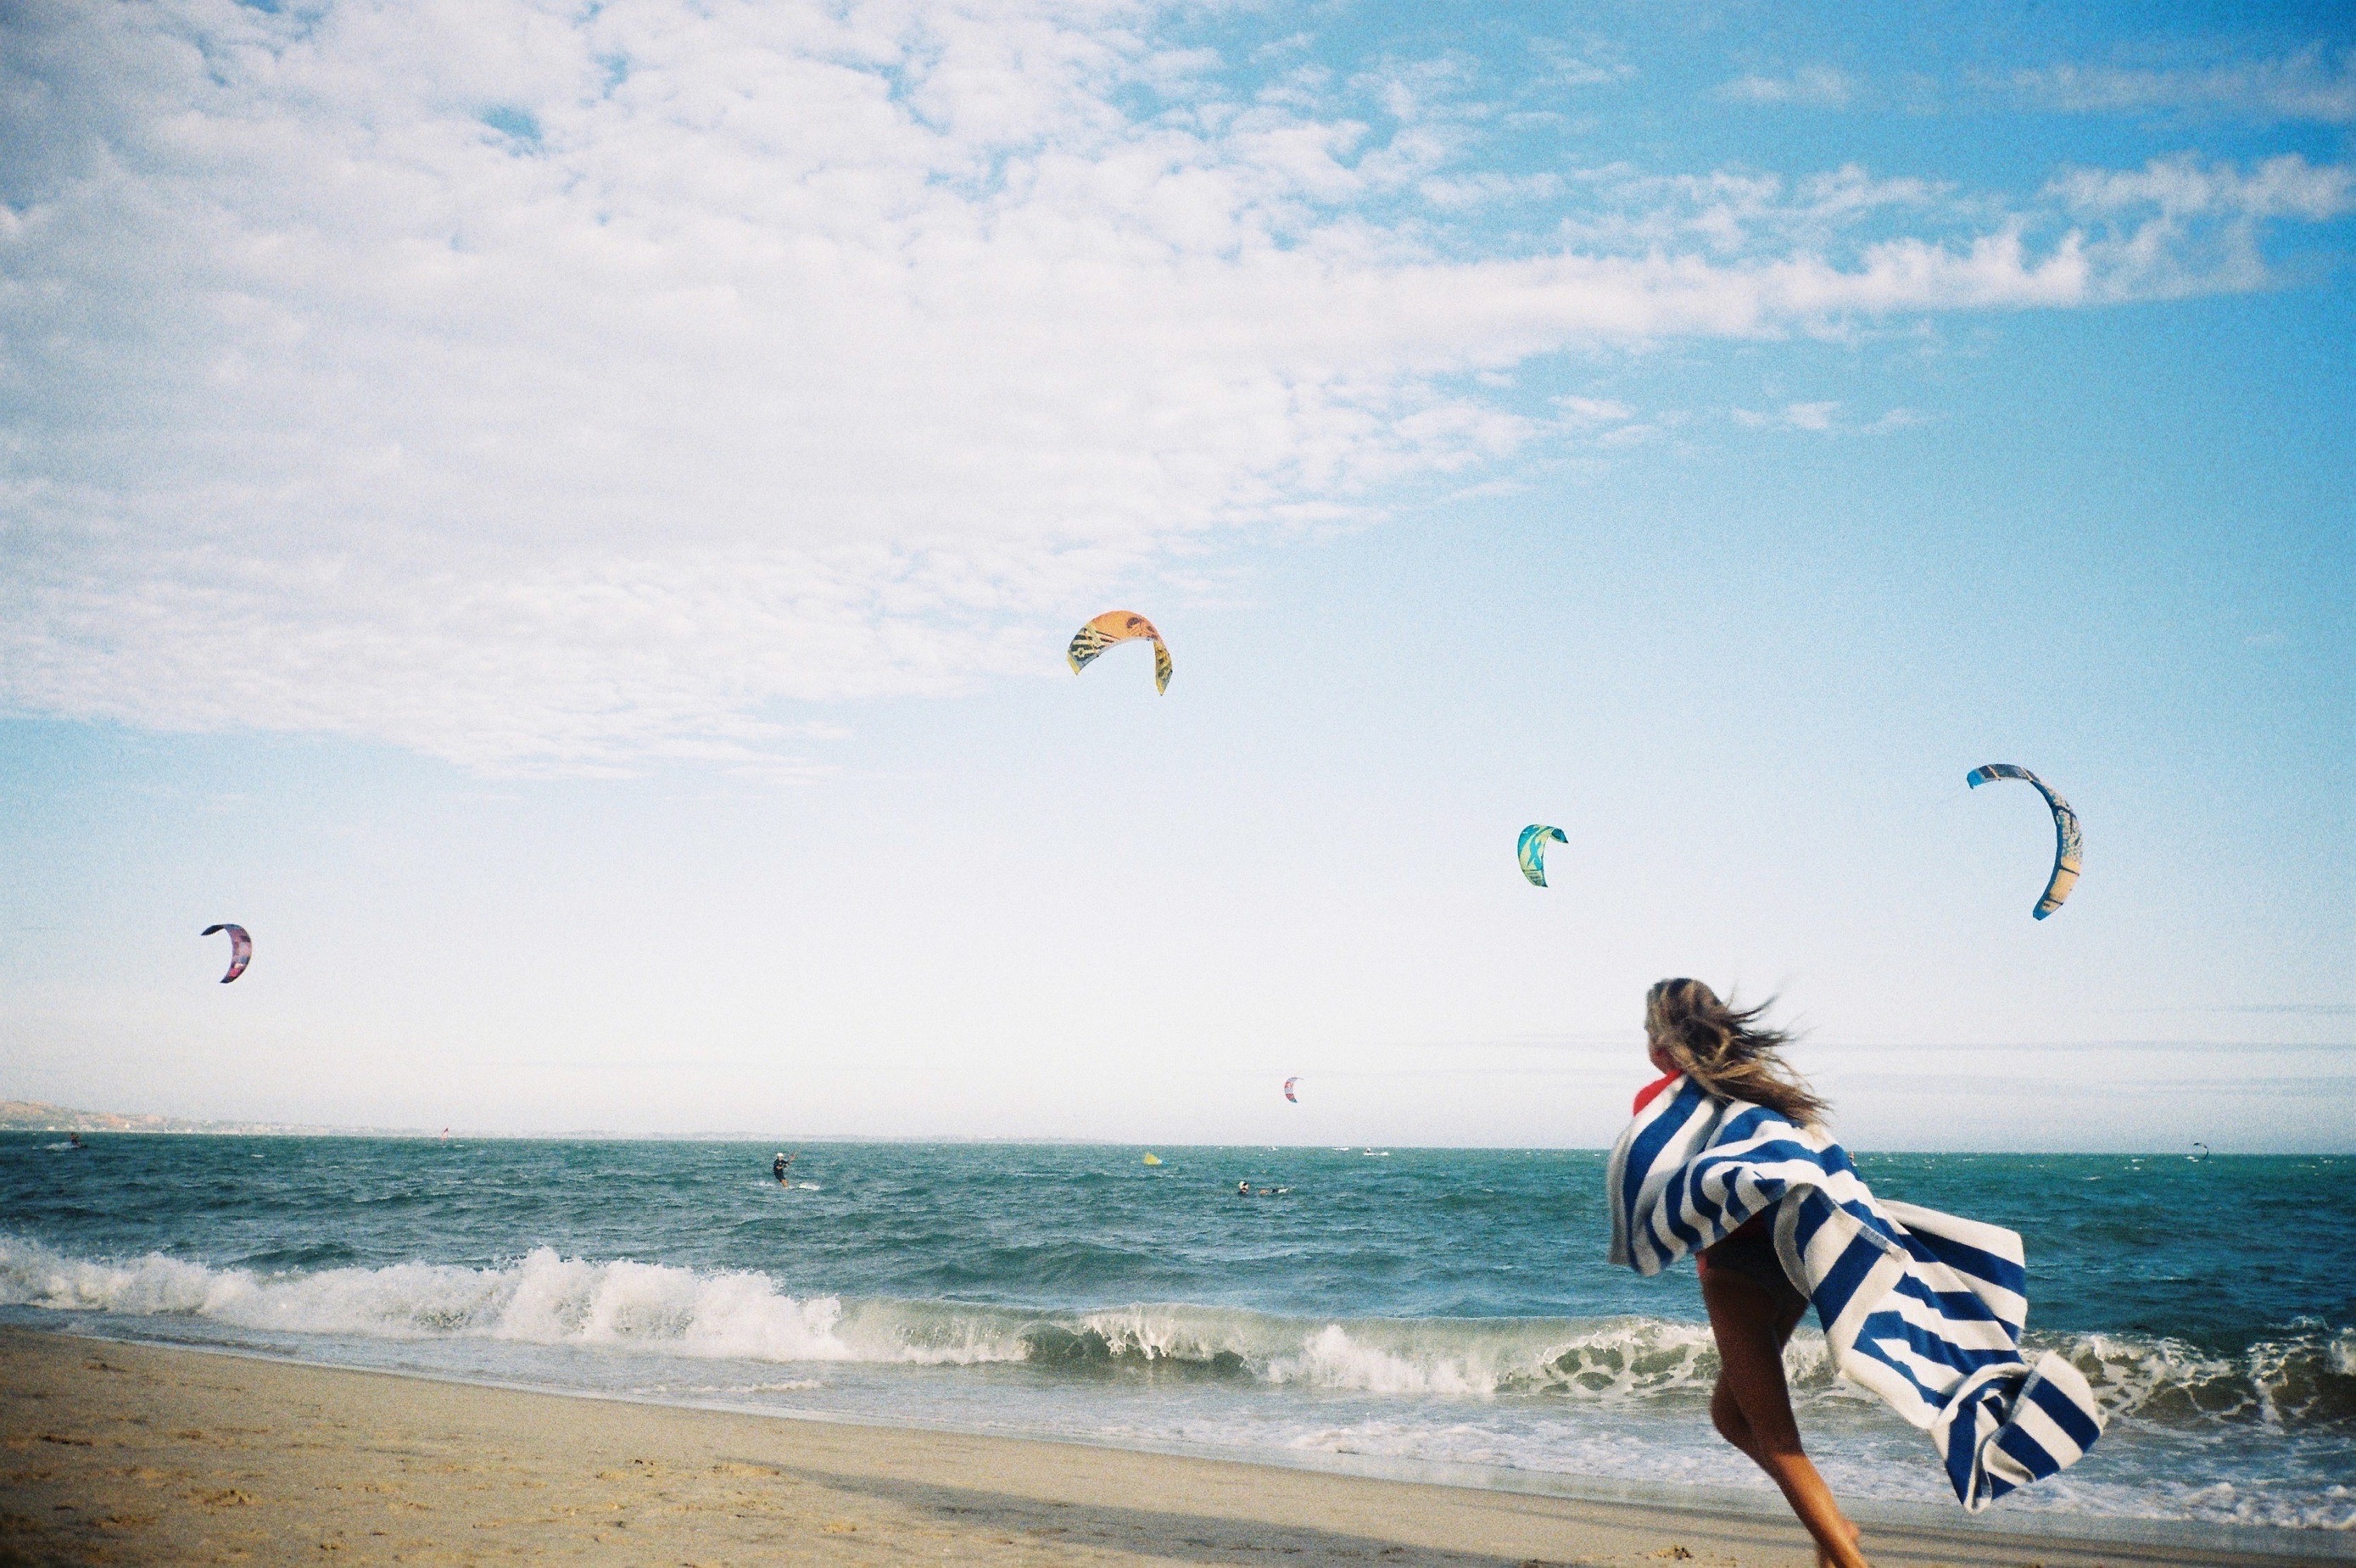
1437	1307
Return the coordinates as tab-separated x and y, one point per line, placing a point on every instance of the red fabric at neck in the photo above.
1644	1095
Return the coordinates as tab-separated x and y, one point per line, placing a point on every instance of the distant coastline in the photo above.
33	1116
36	1117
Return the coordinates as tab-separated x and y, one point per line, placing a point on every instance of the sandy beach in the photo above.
128	1454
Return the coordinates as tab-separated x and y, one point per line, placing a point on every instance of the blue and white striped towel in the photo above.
1922	1308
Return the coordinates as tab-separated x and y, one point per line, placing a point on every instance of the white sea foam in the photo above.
2303	1379
2303	1376
546	1300
542	1299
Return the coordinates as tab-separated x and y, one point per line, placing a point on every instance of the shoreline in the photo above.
1427	1511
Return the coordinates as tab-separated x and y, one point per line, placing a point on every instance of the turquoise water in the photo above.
1435	1306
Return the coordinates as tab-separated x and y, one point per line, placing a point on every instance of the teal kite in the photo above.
1532	850
2069	845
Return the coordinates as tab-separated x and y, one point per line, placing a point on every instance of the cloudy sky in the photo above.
564	519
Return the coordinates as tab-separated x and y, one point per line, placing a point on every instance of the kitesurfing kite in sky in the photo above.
240	949
1287	1090
1119	626
2069	847
1532	850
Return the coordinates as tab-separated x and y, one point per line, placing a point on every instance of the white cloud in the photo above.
539	387
2180	226
1815	86
2309	84
1593	63
1483	190
1733	213
2183	186
1823	419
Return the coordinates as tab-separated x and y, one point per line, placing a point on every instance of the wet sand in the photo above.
122	1454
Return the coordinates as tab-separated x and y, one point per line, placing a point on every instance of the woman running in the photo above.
1753	1307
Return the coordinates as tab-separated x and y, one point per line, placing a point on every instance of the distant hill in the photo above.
31	1116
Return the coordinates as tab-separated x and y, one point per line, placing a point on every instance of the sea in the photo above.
1409	1311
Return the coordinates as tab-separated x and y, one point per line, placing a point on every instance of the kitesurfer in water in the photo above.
785	1162
1243	1189
1753	1307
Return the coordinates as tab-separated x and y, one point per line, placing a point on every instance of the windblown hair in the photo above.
1728	1051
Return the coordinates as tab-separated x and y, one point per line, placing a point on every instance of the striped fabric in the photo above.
1922	1308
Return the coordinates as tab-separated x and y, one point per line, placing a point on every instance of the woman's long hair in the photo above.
1728	1051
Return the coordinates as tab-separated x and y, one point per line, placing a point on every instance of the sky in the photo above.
564	520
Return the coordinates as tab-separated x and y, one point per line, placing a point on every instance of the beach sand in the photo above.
113	1453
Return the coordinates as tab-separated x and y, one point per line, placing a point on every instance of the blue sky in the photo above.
565	524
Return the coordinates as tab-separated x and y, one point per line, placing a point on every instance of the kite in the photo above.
1532	850
2069	847
1153	1159
1287	1090
1119	626
240	949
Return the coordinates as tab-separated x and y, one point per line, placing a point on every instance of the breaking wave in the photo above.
2303	1376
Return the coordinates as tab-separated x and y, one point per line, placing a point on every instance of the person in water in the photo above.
1243	1189
1753	1307
784	1163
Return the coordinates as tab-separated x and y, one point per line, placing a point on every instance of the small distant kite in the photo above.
240	949
1119	626
1153	1159
1287	1090
2069	847
2196	1159
1532	850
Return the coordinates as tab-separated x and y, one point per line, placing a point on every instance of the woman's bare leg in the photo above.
1752	1407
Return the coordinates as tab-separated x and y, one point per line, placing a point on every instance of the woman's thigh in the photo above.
1751	1324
